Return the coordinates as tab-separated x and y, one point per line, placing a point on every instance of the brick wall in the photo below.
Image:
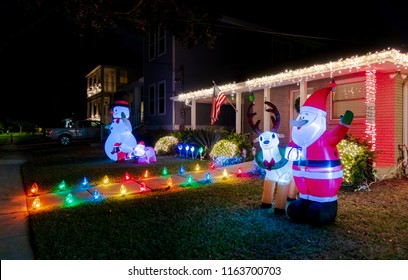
385	119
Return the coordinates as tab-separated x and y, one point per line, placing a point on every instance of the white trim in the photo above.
385	60
318	198
318	175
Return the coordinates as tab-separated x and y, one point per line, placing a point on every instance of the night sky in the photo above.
44	64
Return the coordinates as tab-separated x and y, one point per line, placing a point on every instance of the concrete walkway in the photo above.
14	229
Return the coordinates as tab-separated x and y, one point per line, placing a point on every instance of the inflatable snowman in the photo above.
120	143
317	169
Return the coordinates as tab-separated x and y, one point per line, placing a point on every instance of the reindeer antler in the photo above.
275	117
250	115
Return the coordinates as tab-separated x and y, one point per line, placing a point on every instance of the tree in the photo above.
192	22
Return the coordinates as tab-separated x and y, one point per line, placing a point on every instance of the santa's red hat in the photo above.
141	143
316	103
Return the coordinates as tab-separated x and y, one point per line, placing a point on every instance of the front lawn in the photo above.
218	221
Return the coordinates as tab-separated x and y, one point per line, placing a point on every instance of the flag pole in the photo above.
232	105
227	98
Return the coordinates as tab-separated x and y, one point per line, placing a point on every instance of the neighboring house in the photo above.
374	86
102	83
170	68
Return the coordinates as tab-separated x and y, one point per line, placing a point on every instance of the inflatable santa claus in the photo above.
317	169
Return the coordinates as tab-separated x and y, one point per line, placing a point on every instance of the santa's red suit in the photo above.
319	177
317	169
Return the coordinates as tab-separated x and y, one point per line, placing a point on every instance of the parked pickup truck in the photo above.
77	130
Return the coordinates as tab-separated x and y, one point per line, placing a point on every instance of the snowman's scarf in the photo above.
117	120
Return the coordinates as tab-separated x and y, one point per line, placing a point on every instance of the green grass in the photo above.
218	221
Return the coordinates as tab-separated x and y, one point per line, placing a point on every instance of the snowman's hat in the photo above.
121	98
316	103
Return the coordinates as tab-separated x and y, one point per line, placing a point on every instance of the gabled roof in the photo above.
386	61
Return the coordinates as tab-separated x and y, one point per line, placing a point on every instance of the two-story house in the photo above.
170	68
102	83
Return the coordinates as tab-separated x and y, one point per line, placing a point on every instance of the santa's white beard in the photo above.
308	134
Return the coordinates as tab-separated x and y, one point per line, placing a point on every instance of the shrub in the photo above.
358	161
242	141
166	145
224	148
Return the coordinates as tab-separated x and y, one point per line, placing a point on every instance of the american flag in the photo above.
217	100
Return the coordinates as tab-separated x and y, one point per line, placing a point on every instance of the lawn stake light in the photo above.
239	172
96	194
69	199
181	170
85	182
187	147
180	148
36	203
208	177
123	190
224	174
200	151
197	167
271	158
105	180
127	176
189	180
62	185
192	152
169	182
34	189
164	171
143	186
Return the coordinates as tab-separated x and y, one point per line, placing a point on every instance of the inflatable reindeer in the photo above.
278	170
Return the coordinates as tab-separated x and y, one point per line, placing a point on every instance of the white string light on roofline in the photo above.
354	63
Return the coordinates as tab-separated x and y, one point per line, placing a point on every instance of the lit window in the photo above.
123	77
349	97
161	40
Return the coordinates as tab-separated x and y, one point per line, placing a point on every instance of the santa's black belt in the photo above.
318	163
